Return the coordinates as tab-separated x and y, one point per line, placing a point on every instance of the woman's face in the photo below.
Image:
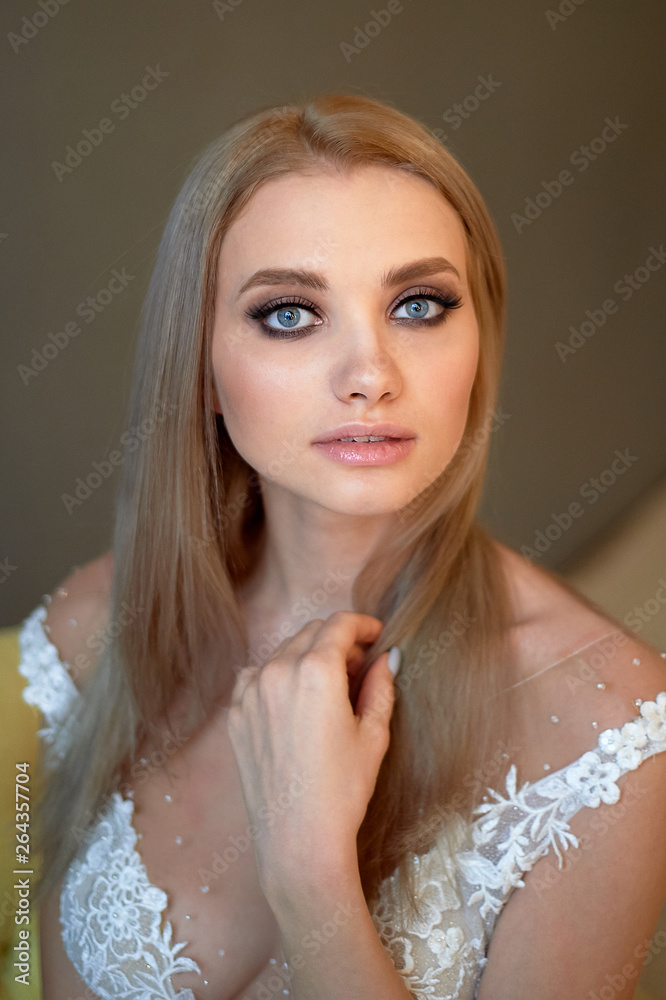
342	345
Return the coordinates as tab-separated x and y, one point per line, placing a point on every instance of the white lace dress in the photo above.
112	916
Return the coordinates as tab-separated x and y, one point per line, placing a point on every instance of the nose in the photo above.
365	366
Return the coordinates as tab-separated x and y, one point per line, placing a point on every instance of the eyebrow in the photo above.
311	279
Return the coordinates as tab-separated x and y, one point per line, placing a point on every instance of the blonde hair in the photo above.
189	514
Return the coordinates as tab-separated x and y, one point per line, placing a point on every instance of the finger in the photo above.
348	631
376	698
244	678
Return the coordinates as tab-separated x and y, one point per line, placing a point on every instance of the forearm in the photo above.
331	946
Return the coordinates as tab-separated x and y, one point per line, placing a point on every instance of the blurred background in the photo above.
557	115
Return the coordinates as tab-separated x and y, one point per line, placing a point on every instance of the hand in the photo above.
308	762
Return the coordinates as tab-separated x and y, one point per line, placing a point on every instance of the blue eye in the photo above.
289	312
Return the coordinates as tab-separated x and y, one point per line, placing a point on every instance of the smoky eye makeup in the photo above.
446	299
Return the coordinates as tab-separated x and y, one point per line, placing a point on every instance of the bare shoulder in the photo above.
554	619
78	612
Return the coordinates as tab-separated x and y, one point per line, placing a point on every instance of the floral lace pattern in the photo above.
111	914
437	960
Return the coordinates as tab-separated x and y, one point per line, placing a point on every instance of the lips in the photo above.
391	431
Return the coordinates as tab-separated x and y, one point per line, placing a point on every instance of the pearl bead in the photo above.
168	798
554	718
636	662
601	686
205	888
546	767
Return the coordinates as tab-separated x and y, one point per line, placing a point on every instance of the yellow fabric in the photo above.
18	744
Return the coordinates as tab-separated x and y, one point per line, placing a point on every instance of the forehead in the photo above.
379	215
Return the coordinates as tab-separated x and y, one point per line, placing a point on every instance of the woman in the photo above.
242	802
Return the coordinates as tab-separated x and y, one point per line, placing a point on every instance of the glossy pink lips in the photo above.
367	452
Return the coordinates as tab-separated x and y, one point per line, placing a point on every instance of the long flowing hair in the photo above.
189	517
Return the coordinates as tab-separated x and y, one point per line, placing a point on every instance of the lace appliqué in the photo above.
441	955
110	913
49	685
111	916
519	829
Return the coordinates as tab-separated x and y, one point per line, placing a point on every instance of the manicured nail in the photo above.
394	659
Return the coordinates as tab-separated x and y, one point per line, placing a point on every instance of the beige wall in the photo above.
549	89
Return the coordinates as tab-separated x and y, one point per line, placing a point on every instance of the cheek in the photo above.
255	397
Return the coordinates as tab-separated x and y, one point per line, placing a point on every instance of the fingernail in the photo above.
394	659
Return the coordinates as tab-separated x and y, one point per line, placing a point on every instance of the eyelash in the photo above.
448	301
